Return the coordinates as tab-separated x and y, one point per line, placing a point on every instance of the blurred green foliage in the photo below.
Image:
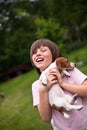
22	22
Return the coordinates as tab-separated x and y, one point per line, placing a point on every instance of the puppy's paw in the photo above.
74	98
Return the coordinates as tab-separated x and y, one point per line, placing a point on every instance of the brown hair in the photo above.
48	43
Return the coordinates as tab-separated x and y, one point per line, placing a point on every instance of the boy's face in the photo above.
42	58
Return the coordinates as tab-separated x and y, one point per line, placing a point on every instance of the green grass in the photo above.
80	56
16	110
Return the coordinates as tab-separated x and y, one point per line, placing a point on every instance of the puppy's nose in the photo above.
72	64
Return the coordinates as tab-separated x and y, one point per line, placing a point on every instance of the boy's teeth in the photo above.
39	59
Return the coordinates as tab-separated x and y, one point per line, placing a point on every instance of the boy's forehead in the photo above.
42	46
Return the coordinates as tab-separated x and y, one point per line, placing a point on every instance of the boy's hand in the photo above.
57	75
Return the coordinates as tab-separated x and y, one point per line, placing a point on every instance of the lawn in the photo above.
80	58
16	110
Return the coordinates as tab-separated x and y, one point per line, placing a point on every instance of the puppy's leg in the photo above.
61	102
69	107
74	98
61	110
43	78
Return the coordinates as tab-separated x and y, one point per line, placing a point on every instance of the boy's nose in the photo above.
38	52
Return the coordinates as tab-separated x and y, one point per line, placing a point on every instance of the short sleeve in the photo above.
35	93
77	76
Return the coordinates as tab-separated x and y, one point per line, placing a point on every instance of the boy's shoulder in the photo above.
36	82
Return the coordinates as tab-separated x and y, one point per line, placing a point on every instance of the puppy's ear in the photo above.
58	62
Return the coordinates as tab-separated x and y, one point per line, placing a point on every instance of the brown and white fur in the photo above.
57	98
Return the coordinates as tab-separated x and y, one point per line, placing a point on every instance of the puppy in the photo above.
57	98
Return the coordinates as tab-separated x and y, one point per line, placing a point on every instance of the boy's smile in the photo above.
39	59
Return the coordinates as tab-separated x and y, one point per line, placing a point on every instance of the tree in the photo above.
16	34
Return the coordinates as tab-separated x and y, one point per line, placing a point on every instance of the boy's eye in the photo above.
35	51
43	50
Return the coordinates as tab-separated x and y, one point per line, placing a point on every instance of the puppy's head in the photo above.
64	63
